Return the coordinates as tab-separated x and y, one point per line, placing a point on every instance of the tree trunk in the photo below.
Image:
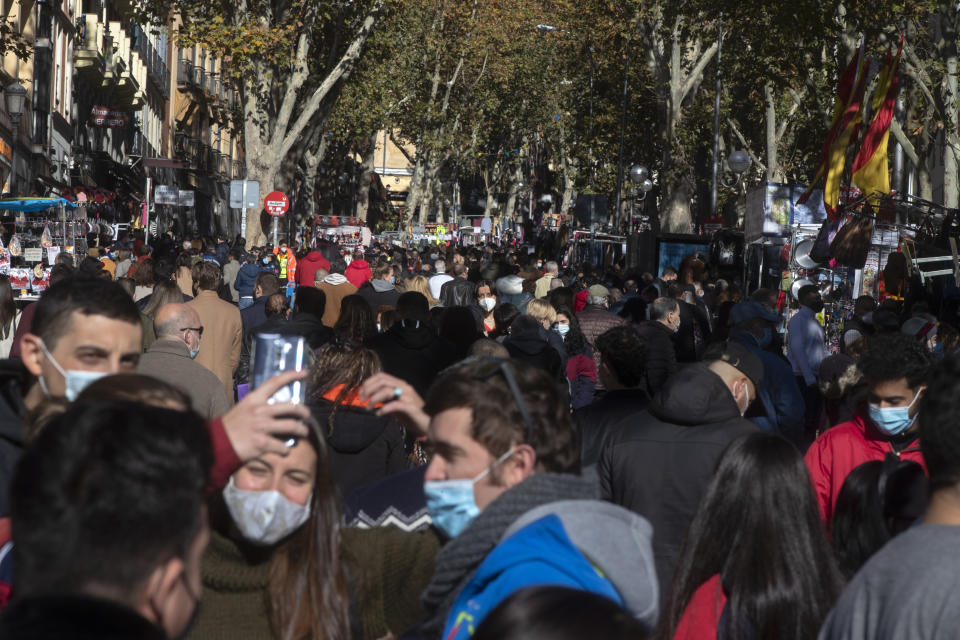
366	177
948	23
771	132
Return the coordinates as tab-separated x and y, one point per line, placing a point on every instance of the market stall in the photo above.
39	229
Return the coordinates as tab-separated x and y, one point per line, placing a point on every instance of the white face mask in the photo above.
74	380
264	517
487	304
746	390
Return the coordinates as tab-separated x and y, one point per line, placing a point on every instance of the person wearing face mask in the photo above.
659	332
280	565
780	407
171	359
659	463
504	490
895	369
806	349
487	302
139	577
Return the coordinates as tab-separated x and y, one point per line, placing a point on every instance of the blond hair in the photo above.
541	310
420	284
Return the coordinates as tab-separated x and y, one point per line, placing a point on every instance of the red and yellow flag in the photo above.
870	171
843	127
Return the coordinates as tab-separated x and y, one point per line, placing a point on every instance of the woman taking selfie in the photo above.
279	565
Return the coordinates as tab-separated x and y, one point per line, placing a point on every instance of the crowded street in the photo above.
435	321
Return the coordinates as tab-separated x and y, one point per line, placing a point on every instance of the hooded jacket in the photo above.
247	278
532	348
658	463
541	553
378	293
335	287
308	266
414	354
358	272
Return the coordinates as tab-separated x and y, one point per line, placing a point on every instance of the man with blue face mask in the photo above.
505	448
171	359
895	368
780	408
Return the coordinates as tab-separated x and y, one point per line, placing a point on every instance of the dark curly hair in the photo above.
625	354
894	356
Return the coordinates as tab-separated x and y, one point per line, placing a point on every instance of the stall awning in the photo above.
32	205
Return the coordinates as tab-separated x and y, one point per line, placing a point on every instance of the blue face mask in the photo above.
266	261
74	380
939	351
892	421
765	339
451	503
562	329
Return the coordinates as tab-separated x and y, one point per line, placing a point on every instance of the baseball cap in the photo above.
743	311
740	358
598	291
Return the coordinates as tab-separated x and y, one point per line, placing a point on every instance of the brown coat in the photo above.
169	360
222	337
335	295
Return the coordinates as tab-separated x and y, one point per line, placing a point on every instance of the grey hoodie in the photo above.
616	541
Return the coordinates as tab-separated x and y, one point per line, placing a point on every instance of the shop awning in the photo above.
32	205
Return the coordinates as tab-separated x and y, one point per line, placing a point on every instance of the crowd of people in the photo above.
491	445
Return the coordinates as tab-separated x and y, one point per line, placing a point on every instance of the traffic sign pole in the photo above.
243	214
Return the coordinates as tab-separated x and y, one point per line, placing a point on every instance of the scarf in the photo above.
459	559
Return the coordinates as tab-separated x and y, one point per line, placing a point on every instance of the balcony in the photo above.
89	52
225	166
40	131
157	73
212	84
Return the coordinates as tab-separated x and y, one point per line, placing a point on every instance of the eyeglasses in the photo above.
489	367
199	330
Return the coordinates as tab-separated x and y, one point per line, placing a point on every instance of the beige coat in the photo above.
222	337
169	360
335	294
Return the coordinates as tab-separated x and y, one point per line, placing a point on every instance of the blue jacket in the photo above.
539	554
780	396
246	278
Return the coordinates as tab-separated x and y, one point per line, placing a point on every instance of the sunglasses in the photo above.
199	330
489	367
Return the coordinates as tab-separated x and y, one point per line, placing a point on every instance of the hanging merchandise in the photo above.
16	249
46	239
40	278
852	242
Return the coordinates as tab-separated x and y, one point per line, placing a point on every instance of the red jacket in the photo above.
308	266
840	450
358	272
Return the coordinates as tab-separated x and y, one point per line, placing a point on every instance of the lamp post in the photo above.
640	177
546	28
15	95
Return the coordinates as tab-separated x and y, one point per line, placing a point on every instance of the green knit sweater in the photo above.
389	569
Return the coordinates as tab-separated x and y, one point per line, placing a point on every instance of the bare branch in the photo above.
696	74
904	141
746	145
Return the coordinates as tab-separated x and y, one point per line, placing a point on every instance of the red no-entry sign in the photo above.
276	203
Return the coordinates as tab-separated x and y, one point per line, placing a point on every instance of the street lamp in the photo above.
15	95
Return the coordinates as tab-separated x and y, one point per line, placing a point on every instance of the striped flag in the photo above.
870	172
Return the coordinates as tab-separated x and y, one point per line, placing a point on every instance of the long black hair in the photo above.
878	500
759	528
574	342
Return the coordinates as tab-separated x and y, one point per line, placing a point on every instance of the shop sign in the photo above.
105	117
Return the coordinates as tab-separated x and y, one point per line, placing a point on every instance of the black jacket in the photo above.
74	618
658	464
533	348
661	353
694	333
363	447
14	383
595	421
377	295
458	292
415	355
254	315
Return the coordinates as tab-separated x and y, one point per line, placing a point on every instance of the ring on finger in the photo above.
397	392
